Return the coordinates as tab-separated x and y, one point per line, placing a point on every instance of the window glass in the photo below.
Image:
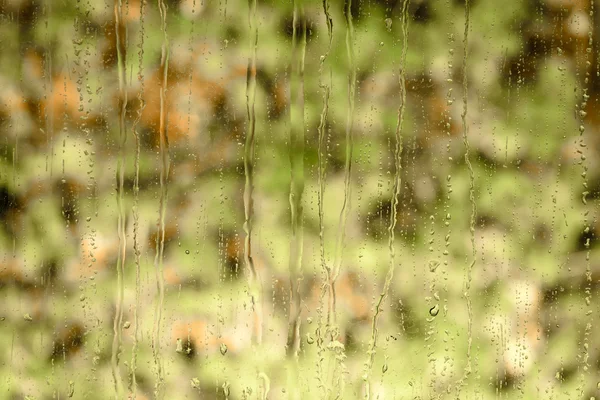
335	199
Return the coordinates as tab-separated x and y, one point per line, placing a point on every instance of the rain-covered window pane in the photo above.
333	199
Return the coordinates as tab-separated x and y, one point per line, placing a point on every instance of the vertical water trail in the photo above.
396	193
135	210
118	320
297	179
339	246
164	175
467	293
253	281
585	356
326	271
49	111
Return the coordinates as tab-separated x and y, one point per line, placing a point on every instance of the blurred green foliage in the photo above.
533	86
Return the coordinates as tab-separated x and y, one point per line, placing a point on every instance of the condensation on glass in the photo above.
380	199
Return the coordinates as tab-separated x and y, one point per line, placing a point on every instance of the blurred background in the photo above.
127	151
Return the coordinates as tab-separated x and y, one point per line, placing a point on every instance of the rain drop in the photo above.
195	382
434	311
388	24
433	265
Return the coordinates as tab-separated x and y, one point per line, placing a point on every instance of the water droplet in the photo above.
187	252
309	339
434	311
195	382
388	24
223	348
433	264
